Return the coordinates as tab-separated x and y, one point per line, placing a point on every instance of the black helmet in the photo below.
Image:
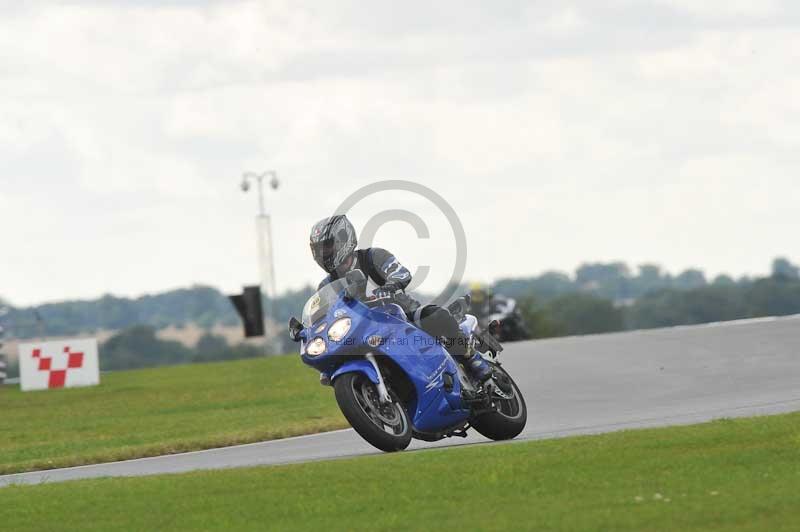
333	240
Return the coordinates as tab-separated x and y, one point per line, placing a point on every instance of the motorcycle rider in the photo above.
487	305
481	297
333	244
485	302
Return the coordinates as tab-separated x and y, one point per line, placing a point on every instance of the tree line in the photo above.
606	298
139	347
203	306
597	298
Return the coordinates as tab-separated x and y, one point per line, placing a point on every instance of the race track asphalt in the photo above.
575	385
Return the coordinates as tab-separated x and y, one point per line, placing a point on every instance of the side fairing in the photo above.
419	355
427	365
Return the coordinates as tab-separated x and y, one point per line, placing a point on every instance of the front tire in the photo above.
510	418
384	426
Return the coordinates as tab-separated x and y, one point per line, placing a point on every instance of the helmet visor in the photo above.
324	253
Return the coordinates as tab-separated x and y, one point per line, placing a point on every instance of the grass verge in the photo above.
160	411
730	475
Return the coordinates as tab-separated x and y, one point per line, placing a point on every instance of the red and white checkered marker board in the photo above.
59	364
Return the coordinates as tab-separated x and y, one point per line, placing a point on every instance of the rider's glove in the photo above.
384	291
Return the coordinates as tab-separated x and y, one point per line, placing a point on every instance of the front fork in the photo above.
383	393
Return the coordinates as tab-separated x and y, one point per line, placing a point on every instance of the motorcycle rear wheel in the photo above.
385	426
510	418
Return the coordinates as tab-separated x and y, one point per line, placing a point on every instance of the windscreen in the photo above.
318	304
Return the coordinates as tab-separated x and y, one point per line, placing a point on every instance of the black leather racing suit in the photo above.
384	269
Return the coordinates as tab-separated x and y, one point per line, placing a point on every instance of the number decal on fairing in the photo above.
313	304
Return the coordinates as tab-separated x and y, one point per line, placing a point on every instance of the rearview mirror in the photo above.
295	328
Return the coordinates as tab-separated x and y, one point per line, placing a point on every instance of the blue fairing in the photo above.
357	365
419	355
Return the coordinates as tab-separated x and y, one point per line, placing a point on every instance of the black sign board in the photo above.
248	305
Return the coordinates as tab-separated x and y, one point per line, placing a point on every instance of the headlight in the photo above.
338	329
316	347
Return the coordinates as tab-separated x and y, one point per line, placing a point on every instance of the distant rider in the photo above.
333	245
485	302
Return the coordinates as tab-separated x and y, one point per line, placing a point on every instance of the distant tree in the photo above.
783	269
649	279
607	280
690	279
545	286
138	347
667	308
601	272
723	280
776	296
584	314
537	319
551	284
210	347
650	274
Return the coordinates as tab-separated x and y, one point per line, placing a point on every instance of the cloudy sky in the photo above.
560	132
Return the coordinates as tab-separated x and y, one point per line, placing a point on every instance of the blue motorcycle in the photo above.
394	382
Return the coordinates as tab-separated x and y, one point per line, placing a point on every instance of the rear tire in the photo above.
384	426
510	418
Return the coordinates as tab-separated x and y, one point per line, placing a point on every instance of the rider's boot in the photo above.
324	379
481	370
478	367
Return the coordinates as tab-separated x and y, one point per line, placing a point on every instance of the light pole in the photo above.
264	236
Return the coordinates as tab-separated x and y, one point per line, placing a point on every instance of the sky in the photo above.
559	133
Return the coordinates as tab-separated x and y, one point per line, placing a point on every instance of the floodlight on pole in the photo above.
263	233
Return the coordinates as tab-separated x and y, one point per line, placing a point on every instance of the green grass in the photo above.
164	410
730	475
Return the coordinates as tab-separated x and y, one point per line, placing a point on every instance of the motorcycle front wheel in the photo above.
384	426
